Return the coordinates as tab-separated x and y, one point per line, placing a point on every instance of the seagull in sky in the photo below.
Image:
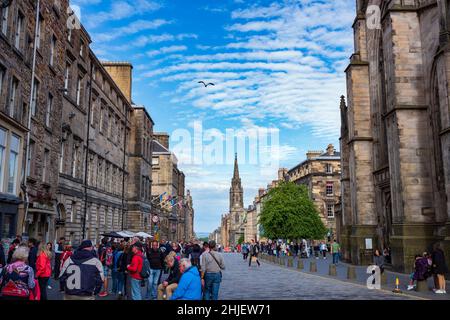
209	84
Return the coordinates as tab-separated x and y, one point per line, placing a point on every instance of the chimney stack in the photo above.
163	138
330	150
121	73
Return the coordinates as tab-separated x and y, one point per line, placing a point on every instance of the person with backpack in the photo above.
254	251
82	274
245	251
105	253
67	253
135	268
43	269
117	277
156	258
211	265
17	278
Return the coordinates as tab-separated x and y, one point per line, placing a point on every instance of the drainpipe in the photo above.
27	150
123	168
86	160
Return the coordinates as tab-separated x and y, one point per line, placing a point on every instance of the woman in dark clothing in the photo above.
439	268
2	256
378	260
122	268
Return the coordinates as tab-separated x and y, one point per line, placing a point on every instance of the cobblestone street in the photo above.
272	282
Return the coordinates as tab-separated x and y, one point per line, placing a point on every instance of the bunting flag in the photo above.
160	197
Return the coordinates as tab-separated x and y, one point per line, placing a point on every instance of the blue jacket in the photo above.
82	274
189	287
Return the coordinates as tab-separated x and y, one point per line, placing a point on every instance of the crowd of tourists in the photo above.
133	269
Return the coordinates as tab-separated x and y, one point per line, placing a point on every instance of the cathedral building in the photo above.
232	224
395	133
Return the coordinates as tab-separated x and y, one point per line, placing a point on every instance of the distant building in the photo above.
321	174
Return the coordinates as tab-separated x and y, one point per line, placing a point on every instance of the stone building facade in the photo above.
175	212
28	188
321	173
96	117
395	134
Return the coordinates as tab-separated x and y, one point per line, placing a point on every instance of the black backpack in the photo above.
145	272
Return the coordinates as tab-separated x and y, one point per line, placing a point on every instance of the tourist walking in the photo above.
134	269
59	249
211	267
378	260
335	251
156	259
323	249
439	268
117	276
190	285
67	253
82	274
11	250
254	251
245	250
32	256
43	269
17	279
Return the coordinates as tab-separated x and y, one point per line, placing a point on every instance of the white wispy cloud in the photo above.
133	28
164	50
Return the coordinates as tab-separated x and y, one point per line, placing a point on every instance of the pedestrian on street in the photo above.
212	265
245	251
134	269
439	268
82	274
323	249
195	254
254	251
17	279
67	253
335	251
378	260
105	256
11	250
122	268
156	259
190	286
32	256
43	269
116	276
59	249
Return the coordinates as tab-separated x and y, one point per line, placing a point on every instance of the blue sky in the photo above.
276	64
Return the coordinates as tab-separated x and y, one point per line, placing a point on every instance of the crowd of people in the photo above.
133	269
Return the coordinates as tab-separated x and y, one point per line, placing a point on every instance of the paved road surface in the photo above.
272	282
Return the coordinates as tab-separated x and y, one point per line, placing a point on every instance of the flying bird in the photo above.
209	84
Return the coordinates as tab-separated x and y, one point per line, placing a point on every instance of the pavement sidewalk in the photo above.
362	276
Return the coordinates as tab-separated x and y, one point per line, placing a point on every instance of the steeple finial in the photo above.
236	167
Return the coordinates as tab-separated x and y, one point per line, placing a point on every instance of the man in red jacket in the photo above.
134	269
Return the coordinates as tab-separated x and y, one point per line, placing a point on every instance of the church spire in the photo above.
236	168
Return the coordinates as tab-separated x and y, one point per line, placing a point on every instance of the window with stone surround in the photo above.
2	77
46	166
329	188
40	32
329	168
67	78
4	20
3	136
49	110
52	50
34	101
19	34
330	211
13	97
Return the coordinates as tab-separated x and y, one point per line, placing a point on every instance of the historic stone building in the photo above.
395	136
96	129
232	223
28	188
173	208
321	173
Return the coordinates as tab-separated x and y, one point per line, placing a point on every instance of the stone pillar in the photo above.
313	266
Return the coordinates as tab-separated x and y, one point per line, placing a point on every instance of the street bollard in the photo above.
332	270
300	265
313	266
422	286
383	278
282	261
290	263
351	273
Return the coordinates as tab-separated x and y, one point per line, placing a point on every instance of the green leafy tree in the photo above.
204	239
241	239
289	213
